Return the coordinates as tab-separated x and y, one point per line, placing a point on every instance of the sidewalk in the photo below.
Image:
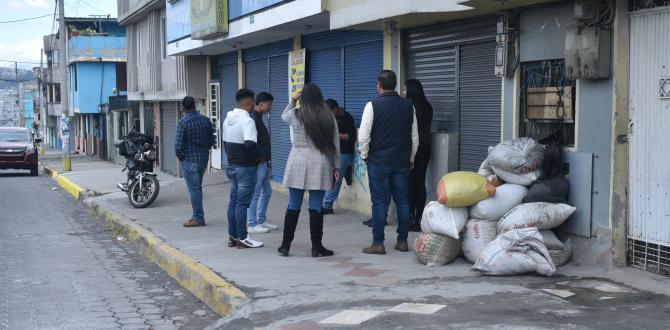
300	291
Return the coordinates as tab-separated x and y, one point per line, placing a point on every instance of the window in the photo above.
163	39
56	57
74	76
53	93
121	80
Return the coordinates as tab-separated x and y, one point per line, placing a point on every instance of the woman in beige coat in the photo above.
312	164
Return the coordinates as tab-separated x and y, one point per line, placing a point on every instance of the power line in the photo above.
22	62
25	19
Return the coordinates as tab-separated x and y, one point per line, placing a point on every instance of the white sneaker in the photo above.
257	229
248	243
270	226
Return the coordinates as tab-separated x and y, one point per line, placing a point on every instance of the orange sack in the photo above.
463	189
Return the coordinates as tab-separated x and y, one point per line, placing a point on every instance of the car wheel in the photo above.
34	171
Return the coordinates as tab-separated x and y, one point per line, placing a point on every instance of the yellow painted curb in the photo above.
70	186
220	295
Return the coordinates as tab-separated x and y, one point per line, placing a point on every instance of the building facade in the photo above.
30	109
483	64
157	81
53	99
96	71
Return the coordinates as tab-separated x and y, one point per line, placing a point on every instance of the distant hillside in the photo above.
7	76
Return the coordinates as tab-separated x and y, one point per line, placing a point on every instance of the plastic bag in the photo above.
493	208
540	215
560	252
550	190
436	249
517	251
518	156
476	235
462	189
443	220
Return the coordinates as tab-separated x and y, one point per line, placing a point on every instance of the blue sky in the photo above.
22	41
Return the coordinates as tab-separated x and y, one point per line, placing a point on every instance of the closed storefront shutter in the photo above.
279	132
362	64
479	99
324	68
169	133
455	63
266	69
345	64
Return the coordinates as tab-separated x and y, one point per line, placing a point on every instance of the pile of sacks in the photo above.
502	217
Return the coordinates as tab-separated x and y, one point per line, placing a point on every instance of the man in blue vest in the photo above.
388	141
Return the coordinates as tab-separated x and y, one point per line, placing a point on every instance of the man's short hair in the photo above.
264	97
387	80
332	104
244	94
188	103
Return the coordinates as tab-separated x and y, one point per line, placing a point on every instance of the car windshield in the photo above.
16	136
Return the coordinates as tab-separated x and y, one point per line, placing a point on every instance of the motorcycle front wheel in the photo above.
141	196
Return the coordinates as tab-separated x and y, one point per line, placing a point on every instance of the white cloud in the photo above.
26	5
26	51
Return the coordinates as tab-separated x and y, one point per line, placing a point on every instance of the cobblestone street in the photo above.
60	269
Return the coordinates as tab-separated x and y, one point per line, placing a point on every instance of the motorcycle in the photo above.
141	184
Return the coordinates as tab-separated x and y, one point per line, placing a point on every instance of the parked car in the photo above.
18	149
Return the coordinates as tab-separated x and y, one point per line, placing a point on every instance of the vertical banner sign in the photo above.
209	18
296	71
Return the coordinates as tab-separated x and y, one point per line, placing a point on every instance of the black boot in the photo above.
316	231
290	223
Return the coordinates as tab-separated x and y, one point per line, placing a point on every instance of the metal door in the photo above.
215	117
279	132
454	62
649	178
168	138
228	90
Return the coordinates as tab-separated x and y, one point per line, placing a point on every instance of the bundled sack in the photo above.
443	220
553	190
525	179
517	156
436	249
560	252
539	215
517	251
493	208
463	189
476	235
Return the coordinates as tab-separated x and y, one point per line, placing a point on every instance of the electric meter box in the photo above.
588	52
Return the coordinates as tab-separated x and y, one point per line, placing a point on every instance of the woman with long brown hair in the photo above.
312	164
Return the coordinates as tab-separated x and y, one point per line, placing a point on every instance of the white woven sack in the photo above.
493	208
521	179
476	235
519	156
560	252
443	220
541	215
517	251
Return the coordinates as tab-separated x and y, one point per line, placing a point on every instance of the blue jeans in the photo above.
386	182
256	214
331	196
295	199
242	183
193	173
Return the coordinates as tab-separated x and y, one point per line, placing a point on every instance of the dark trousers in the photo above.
387	182
416	185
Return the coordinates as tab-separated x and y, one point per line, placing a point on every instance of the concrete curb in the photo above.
220	295
72	188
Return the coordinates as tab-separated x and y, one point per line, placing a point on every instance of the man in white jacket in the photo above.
239	140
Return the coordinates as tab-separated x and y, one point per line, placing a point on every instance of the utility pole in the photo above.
65	131
43	111
18	93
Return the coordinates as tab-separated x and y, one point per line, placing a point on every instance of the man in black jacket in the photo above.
256	214
347	130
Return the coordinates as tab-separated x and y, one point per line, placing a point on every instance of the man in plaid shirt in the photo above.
195	137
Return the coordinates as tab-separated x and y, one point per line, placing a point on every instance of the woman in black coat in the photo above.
416	186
